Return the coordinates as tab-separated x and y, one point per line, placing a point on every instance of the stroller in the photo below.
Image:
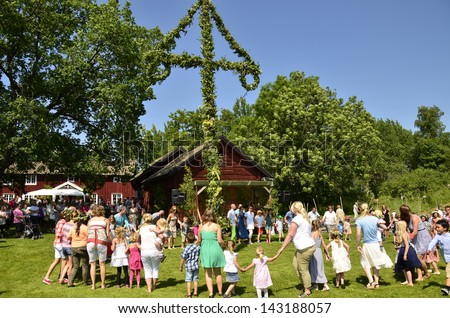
30	230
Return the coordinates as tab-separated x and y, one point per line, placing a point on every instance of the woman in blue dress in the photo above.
242	231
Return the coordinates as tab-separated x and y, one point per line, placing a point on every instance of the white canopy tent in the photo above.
66	189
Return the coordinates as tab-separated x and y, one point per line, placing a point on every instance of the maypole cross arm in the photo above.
245	68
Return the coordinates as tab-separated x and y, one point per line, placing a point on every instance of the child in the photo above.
189	258
347	229
431	259
163	235
231	269
279	226
112	225
259	220
442	239
195	227
134	259
184	229
340	227
118	258
261	275
340	255
407	259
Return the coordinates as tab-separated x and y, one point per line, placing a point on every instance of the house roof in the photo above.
181	161
158	164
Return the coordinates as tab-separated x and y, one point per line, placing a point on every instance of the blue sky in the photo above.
392	55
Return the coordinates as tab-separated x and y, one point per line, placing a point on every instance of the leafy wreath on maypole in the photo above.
244	68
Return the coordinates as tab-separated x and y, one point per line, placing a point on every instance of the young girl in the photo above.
347	229
261	275
231	268
119	259
340	255
135	264
407	259
316	264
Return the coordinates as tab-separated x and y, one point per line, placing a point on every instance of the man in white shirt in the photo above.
313	214
355	210
231	216
329	220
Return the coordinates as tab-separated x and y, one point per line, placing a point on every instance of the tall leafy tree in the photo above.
317	145
74	75
395	157
432	143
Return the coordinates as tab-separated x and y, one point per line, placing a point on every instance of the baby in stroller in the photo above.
31	230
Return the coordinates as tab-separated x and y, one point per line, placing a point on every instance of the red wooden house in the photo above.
113	188
243	180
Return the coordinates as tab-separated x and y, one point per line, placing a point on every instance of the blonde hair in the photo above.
298	207
98	210
378	213
400	228
260	252
162	224
365	210
134	237
208	216
119	232
147	217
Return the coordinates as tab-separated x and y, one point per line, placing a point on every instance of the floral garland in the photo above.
209	66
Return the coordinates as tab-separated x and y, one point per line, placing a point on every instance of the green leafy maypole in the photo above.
209	66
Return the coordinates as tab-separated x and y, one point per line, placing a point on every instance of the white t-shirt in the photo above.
231	217
329	218
229	262
302	238
250	220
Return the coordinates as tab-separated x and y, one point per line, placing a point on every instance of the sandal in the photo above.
188	296
376	286
195	295
304	295
370	285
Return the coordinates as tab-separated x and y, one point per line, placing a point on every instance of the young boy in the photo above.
185	228
279	226
189	258
443	239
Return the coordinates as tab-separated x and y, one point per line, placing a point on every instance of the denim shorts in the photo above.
191	276
232	277
66	251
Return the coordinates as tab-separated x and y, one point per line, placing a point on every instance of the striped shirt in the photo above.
65	234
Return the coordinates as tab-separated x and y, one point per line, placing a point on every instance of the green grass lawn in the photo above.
24	262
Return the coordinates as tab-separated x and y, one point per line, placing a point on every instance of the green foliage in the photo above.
187	187
312	141
73	81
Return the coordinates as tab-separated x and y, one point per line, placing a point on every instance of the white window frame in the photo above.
8	196
94	198
115	197
31	179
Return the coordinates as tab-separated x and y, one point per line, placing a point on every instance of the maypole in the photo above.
209	66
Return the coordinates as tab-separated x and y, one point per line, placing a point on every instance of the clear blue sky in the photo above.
394	55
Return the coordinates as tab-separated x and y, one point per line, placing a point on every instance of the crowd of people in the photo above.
133	240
